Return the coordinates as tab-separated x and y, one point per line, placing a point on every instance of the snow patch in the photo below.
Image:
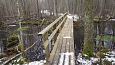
66	56
67	37
37	62
110	56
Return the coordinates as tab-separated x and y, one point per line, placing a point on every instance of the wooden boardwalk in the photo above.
55	44
63	51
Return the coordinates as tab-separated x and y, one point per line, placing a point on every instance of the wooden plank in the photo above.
63	49
45	44
57	53
72	57
53	52
67	37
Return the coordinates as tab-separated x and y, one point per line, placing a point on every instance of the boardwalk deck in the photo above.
63	51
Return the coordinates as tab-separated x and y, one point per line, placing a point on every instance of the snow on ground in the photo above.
0	61
65	57
83	61
74	17
110	56
112	19
69	16
36	63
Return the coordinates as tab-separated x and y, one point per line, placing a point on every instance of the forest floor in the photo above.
109	56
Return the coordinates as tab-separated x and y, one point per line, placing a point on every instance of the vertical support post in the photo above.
45	44
21	37
47	49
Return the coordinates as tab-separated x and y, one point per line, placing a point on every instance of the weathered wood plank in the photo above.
63	51
61	48
72	57
54	51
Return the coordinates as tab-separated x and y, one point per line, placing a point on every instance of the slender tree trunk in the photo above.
55	7
89	29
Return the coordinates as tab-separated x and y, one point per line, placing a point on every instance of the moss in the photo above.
22	28
106	38
13	40
88	49
2	25
21	47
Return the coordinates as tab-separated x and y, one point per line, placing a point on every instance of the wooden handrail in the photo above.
54	32
51	25
14	57
50	33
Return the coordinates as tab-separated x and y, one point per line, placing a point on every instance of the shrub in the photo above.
88	49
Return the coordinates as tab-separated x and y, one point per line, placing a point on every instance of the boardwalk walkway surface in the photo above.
63	52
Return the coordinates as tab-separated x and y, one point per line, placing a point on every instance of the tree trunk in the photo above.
88	29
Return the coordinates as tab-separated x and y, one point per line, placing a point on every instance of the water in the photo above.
1	46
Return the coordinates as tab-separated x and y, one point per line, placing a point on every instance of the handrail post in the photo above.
43	42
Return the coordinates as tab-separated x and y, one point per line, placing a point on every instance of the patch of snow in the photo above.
112	19
66	56
45	12
68	53
37	62
0	61
113	52
110	56
69	16
113	63
67	37
74	17
67	59
61	59
12	25
84	61
110	59
94	59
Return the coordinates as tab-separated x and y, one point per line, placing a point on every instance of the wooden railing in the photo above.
14	59
47	38
49	34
